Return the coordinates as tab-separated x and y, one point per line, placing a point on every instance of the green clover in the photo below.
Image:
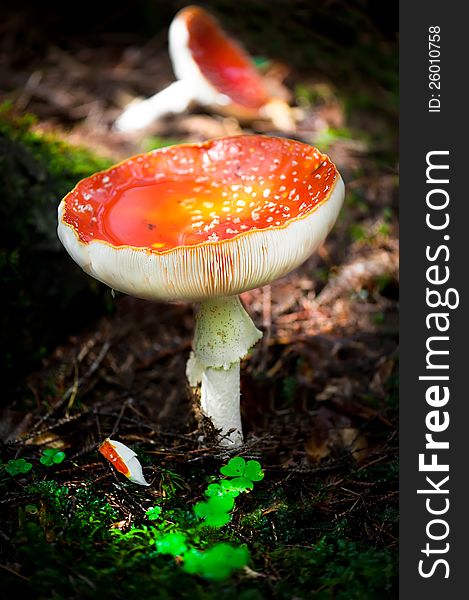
216	511
172	543
224	488
153	513
51	456
217	563
235	467
15	467
242	484
244	473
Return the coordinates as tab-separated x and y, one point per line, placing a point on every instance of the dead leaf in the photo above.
49	439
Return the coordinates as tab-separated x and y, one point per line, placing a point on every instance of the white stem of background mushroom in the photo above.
224	334
141	113
280	113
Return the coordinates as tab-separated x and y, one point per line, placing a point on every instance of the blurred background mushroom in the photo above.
212	70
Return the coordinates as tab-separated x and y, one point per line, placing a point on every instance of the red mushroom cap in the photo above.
110	452
199	220
221	60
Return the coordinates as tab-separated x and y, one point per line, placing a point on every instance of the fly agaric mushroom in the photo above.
212	70
205	222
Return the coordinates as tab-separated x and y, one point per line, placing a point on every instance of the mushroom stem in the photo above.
220	401
280	113
224	334
141	113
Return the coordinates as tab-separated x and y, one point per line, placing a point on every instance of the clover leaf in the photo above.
244	473
253	471
242	484
172	543
153	513
224	488
216	563
215	511
234	468
192	560
18	466
51	456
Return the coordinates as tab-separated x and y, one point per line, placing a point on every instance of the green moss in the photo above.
338	569
45	295
329	136
254	520
80	515
68	551
382	472
69	542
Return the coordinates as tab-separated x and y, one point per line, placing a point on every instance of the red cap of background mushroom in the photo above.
202	220
219	69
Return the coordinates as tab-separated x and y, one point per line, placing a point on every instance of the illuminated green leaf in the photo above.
240	469
172	543
153	513
218	562
242	484
51	456
17	467
253	471
215	512
192	560
234	468
224	488
214	489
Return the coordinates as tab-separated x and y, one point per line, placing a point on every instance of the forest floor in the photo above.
319	392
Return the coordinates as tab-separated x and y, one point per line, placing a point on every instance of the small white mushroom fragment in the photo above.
124	460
